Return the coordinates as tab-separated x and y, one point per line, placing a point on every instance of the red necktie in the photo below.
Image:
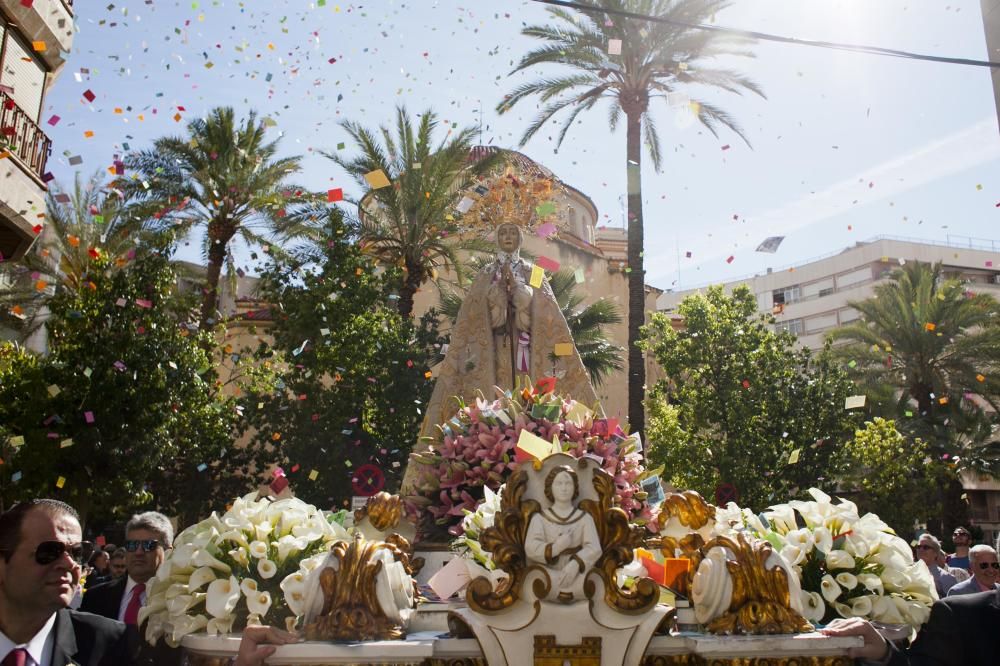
134	604
16	657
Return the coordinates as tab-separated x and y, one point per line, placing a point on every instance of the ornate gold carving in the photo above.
505	540
619	539
760	603
697	660
548	653
689	507
383	510
351	609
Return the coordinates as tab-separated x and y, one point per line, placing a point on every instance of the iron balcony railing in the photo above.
22	137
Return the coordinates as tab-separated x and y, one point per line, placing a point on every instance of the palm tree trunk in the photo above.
636	276
210	299
411	283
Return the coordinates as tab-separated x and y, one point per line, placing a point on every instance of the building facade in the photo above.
812	298
34	40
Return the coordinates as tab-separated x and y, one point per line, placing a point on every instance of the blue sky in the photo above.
845	147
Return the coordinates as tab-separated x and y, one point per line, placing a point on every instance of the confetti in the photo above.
313	475
537	275
377	179
60	482
854	401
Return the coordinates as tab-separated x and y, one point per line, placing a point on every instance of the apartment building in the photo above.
811	298
35	38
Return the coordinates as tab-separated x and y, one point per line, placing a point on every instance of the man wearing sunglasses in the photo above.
928	548
147	538
41	560
985	572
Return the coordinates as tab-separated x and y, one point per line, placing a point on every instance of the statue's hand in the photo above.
562	542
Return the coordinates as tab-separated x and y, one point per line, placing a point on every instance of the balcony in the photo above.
22	137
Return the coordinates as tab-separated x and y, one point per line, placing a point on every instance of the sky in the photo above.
845	146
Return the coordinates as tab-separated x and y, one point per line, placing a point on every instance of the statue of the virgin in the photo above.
508	329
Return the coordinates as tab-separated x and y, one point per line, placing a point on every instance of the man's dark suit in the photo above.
105	599
89	640
962	631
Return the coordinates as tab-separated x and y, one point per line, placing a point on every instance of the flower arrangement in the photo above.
247	566
848	565
476	451
473	525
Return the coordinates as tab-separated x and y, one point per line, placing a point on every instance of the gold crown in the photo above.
512	198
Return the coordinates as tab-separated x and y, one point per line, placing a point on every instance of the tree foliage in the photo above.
353	383
892	474
225	177
741	404
410	223
124	409
81	226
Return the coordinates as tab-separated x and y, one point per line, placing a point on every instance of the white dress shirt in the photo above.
39	648
127	597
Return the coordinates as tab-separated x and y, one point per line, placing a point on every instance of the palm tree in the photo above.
411	222
586	324
928	338
657	59
925	339
81	226
223	177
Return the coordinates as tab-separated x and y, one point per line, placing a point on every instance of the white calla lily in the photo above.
839	559
258	549
259	603
248	586
223	595
829	588
847	580
861	606
266	569
813	606
201	576
294	589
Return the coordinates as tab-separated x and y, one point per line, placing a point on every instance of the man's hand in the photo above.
259	643
875	647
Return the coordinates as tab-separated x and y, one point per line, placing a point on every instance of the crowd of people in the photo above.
44	563
962	628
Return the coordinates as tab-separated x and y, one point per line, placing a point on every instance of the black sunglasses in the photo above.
148	545
986	565
48	552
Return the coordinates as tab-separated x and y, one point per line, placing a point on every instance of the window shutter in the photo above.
23	73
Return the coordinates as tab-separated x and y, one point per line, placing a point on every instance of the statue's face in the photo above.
508	237
562	487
